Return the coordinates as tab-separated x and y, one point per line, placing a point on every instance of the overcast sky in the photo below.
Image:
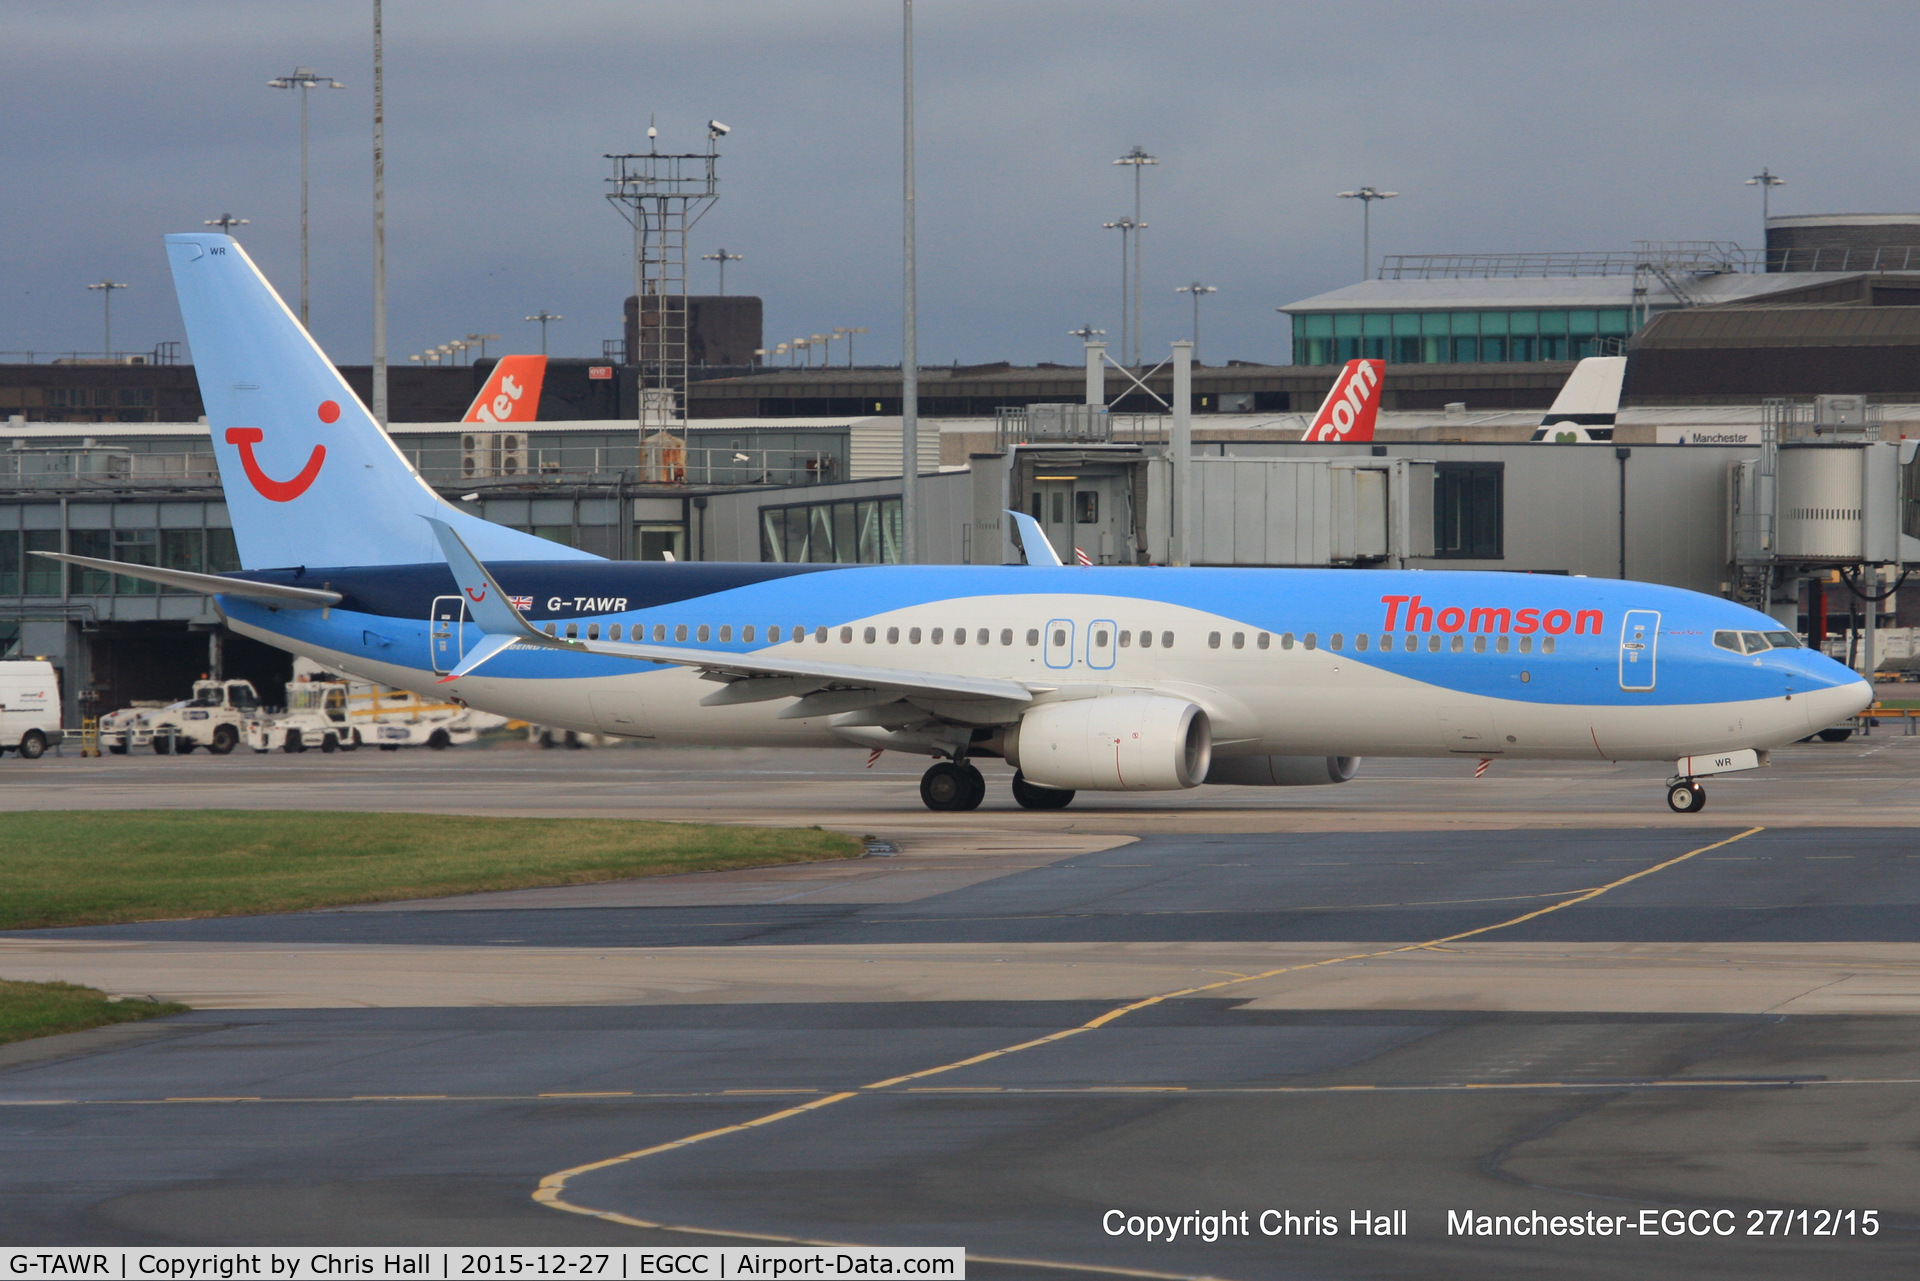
1503	126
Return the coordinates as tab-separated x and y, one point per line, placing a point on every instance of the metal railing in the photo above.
1699	257
1074	424
86	468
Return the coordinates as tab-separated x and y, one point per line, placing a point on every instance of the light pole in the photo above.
1126	227
1196	289
848	334
543	316
1766	180
723	258
106	288
910	319
303	79
226	222
1139	159
1366	196
483	340
379	219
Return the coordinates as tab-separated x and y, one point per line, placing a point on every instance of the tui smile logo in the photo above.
280	491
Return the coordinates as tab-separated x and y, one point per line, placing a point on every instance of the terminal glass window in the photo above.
864	531
1440	337
1468	510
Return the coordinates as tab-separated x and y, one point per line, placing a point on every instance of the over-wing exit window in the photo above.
1469	510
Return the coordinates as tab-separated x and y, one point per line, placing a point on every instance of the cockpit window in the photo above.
1756	643
1729	640
1784	640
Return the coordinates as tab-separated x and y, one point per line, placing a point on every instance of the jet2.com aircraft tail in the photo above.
1352	404
310	478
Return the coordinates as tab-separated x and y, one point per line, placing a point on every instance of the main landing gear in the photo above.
952	785
1685	796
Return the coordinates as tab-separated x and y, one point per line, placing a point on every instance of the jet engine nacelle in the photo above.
1284	771
1119	743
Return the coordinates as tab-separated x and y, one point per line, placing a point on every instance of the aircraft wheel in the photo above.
225	739
1032	797
977	785
945	786
1686	798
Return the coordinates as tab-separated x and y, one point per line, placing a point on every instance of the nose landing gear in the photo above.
1685	796
952	785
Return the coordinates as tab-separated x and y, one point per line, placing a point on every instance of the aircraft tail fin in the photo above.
1591	396
512	393
310	477
1349	411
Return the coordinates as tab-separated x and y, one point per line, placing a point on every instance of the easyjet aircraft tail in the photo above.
1350	408
512	393
310	478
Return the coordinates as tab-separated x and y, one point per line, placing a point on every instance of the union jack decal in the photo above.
521	603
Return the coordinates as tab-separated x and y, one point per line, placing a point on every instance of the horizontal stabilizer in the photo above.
208	584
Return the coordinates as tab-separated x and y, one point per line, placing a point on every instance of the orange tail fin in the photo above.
512	395
1351	407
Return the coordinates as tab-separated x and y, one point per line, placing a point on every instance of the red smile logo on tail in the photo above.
280	491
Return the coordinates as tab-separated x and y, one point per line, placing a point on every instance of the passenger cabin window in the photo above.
1335	641
1310	641
1126	639
1033	636
573	631
726	634
1006	635
1060	636
593	631
820	634
938	634
1526	645
1213	640
746	633
680	632
1433	643
1500	644
869	635
1146	640
613	633
1459	643
1479	644
1264	640
1360	642
984	636
551	629
959	635
1166	640
1286	640
893	635
703	633
846	635
1546	644
1100	639
913	636
1239	640
659	631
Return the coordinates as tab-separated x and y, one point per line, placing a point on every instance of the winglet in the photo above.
1035	547
487	604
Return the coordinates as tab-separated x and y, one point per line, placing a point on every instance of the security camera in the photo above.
717	129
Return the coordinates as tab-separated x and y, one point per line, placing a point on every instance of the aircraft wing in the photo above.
208	584
787	676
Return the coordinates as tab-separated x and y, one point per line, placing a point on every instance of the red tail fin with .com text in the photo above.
1350	408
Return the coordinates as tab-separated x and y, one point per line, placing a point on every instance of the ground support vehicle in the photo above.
29	707
213	718
315	716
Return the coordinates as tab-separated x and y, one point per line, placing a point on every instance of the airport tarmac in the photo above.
1538	990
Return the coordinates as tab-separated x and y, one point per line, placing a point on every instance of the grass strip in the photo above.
62	867
28	1010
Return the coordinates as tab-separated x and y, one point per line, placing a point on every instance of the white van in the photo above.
29	706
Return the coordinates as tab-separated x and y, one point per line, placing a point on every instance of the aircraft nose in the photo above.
1836	703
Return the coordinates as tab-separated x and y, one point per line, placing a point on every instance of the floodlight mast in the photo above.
1366	196
1139	159
226	222
1766	180
543	316
722	257
106	288
303	79
1196	289
910	326
1126	227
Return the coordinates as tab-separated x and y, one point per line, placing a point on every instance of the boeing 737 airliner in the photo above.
1083	679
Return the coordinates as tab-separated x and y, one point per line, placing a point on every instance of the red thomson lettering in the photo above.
1490	620
1581	619
1526	621
1557	621
1452	618
1393	604
1425	613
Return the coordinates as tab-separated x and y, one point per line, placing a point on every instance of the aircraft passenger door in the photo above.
1100	644
1059	639
446	632
1639	645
